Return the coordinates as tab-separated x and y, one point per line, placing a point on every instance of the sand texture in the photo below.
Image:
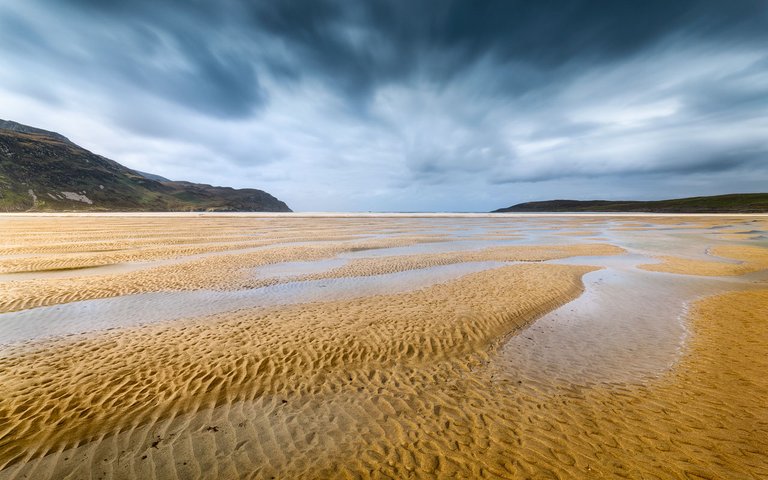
735	260
457	377
163	371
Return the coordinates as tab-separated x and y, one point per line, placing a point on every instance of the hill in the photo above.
45	171
733	203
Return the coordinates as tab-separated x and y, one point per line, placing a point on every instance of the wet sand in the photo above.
236	346
733	260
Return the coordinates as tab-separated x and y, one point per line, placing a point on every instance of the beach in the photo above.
178	346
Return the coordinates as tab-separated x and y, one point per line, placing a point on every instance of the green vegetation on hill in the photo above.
44	171
733	203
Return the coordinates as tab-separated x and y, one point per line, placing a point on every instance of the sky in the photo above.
404	105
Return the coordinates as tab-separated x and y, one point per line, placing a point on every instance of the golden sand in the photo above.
378	266
406	385
463	417
744	259
707	419
236	271
57	394
213	272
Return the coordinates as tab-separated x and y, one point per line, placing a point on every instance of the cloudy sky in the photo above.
404	105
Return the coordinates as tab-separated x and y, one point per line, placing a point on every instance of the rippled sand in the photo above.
734	260
495	373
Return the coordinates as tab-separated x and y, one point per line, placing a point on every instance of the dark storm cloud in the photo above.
392	39
356	46
173	57
403	93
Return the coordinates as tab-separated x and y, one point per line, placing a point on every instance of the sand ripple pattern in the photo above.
55	394
734	260
406	385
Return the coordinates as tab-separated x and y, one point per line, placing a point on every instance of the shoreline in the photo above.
375	214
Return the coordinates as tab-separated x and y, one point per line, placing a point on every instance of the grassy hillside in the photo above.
44	171
733	203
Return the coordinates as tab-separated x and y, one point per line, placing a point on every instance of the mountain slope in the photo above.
733	203
44	171
152	176
19	128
